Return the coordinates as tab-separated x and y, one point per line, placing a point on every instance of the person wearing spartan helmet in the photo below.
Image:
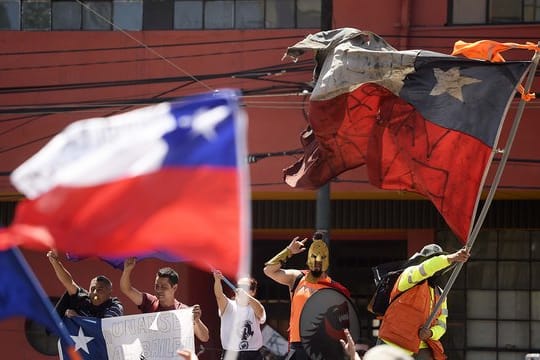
302	284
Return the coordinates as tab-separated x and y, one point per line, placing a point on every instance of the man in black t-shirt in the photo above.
76	301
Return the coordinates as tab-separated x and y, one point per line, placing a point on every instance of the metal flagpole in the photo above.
489	198
323	203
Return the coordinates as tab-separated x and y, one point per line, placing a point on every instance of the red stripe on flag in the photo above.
187	213
402	150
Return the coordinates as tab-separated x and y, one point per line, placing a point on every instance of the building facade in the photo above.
66	60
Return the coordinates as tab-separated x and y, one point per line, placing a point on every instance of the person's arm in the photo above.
221	299
199	328
62	274
273	266
415	274
125	282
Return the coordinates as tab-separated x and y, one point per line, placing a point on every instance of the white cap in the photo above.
386	352
428	250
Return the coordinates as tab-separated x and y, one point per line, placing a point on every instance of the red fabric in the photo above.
335	285
137	215
436	349
402	150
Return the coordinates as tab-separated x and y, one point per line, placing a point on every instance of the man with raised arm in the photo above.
241	319
302	284
165	286
94	302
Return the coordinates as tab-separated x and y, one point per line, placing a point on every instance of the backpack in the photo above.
385	277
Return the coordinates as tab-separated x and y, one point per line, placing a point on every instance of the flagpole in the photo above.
496	180
61	330
323	203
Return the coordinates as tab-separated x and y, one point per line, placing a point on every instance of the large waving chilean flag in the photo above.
420	121
168	180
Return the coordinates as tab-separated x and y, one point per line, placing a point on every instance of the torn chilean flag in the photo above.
168	180
420	121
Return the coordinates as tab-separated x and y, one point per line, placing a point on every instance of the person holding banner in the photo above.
76	301
302	284
241	319
165	285
419	289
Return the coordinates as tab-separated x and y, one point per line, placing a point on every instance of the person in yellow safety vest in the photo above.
412	300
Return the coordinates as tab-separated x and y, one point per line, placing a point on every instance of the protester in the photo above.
241	319
419	289
302	284
76	301
165	286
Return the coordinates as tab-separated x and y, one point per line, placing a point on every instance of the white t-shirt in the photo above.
246	335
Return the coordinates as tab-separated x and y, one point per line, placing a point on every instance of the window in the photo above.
188	14
249	14
279	14
9	15
502	283
219	14
66	15
465	12
137	15
71	15
98	15
36	14
128	14
308	13
531	10
157	14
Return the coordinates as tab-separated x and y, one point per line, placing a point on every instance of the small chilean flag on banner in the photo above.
168	181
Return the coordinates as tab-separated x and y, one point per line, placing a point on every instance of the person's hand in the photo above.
187	354
461	256
425	334
129	263
217	275
348	346
70	313
52	255
197	312
297	246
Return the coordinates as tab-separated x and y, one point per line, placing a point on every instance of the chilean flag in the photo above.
168	181
420	121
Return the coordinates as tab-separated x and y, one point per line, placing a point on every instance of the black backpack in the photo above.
385	277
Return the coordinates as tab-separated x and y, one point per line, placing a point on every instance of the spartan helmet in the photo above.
318	251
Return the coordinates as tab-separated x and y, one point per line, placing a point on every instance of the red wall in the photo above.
47	59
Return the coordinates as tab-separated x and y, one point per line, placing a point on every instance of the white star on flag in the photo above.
451	82
205	121
81	341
